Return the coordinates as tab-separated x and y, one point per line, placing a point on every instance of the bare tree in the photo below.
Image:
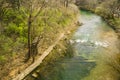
33	9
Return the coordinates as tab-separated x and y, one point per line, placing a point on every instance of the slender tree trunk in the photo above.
29	37
66	3
31	19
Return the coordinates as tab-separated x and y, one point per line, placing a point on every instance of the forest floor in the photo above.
17	65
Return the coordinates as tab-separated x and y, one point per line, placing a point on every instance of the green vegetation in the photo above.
22	22
28	28
13	25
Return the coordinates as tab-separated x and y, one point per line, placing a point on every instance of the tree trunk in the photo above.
29	38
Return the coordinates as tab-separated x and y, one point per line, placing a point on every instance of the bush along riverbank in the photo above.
60	19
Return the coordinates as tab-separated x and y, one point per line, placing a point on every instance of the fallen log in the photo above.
28	70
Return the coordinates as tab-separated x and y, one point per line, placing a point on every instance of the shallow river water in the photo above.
95	53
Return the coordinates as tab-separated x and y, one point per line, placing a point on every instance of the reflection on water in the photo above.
94	54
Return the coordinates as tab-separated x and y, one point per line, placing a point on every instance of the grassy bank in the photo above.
50	23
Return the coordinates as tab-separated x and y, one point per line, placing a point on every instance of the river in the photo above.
95	53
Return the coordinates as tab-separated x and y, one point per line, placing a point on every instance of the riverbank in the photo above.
61	50
110	21
11	70
91	54
103	8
